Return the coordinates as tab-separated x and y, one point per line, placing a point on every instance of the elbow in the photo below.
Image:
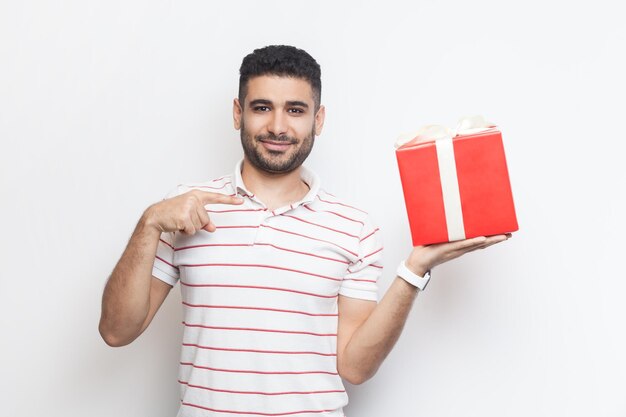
354	380
356	376
111	338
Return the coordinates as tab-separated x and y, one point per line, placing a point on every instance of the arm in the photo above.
132	295
368	331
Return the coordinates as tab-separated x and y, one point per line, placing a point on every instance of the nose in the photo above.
277	123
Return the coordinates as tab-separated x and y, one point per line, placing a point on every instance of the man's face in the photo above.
278	122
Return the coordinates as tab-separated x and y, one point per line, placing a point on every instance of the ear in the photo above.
237	111
319	120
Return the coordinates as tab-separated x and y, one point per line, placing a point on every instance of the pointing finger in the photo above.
216	198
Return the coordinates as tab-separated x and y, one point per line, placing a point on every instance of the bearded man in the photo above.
278	277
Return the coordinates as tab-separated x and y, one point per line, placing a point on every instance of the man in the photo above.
278	277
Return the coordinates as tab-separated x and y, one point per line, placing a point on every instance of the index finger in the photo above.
217	198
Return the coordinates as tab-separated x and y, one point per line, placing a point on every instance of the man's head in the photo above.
282	61
278	110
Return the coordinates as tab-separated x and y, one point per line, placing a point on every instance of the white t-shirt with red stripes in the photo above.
260	301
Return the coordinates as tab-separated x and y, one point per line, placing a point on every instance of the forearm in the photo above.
373	340
126	298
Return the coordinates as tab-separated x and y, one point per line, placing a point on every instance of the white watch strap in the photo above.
413	279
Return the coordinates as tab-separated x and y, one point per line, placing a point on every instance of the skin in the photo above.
278	120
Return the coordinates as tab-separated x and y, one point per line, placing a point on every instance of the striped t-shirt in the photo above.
260	301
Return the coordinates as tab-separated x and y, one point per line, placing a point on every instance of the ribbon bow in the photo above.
465	126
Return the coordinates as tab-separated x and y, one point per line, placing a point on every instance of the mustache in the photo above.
280	138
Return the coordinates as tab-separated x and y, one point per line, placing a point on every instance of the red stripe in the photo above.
319	225
376	230
254	412
242	371
258	288
251	329
373	253
262	244
163	260
278	310
277	352
258	392
219	179
236	227
336	214
243	193
341	204
235	210
309	237
212	188
211	245
166	243
303	253
264	266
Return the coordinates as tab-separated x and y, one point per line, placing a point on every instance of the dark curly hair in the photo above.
281	60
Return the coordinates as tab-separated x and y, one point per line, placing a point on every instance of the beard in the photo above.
276	162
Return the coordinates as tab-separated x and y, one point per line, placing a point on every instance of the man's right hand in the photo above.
185	213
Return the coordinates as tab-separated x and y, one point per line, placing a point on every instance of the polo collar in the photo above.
309	177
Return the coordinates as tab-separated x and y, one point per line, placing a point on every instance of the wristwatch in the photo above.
413	279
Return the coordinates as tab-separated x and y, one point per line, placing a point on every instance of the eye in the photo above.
296	110
261	108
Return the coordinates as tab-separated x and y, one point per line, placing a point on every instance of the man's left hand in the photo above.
424	258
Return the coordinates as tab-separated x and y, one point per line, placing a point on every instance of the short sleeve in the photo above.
361	281
164	267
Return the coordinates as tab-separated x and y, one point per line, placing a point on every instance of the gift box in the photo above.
456	182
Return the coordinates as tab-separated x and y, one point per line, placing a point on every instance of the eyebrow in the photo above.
265	102
298	103
260	101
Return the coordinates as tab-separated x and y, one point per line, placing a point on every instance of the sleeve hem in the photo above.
360	294
164	276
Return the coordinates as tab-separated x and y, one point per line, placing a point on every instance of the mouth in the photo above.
276	145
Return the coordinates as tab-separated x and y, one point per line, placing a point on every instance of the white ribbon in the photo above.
447	165
450	189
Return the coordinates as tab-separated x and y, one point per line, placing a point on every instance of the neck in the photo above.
274	190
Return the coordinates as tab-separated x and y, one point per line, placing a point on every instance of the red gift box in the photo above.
456	187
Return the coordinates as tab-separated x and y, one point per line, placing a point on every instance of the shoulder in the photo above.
344	209
351	217
328	200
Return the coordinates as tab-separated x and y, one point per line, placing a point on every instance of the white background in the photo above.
106	105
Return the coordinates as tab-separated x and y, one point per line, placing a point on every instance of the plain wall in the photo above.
106	105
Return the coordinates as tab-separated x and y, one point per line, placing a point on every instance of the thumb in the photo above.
209	227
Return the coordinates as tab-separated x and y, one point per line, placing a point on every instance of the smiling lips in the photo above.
275	145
